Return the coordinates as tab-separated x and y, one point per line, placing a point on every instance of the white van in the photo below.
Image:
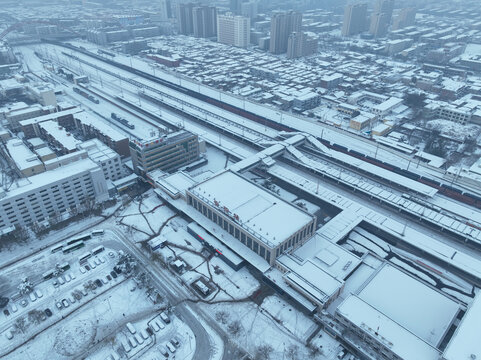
126	345
139	339
131	328
170	346
165	317
32	297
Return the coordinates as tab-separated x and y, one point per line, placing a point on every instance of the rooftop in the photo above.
465	341
405	300
24	158
388	332
259	211
49	177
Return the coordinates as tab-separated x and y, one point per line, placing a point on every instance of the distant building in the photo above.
249	9
354	19
385	7
407	17
185	18
204	21
379	25
167	153
300	44
282	25
235	6
233	30
165	9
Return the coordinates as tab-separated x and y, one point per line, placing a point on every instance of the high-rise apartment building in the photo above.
300	44
354	19
379	24
282	25
405	18
165	9
185	18
384	6
204	21
233	30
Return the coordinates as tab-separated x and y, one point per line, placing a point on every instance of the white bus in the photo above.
98	232
98	249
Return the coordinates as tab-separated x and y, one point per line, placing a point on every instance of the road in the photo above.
174	291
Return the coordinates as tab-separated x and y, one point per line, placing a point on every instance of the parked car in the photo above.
65	303
3	302
113	274
48	312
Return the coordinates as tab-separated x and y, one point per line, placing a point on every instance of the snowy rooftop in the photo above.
310	277
328	256
63	137
49	177
24	158
465	341
98	151
48	117
175	184
405	300
388	332
258	210
95	122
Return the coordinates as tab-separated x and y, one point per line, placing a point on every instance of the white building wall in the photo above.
67	189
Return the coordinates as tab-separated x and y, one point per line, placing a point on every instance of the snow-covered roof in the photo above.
63	137
259	211
24	158
392	335
465	341
46	178
406	300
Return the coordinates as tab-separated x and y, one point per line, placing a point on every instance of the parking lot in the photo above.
89	289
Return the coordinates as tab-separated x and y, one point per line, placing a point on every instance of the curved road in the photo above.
174	291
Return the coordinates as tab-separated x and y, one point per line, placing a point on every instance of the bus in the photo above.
78	238
84	257
98	249
72	247
57	248
98	232
48	275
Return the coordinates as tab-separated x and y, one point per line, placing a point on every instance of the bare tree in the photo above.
222	316
35	316
25	287
263	352
292	352
20	325
234	327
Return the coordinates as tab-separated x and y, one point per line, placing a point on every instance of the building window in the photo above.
209	214
231	229
243	238
237	233
226	225
249	242
262	253
256	247
214	217
268	256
